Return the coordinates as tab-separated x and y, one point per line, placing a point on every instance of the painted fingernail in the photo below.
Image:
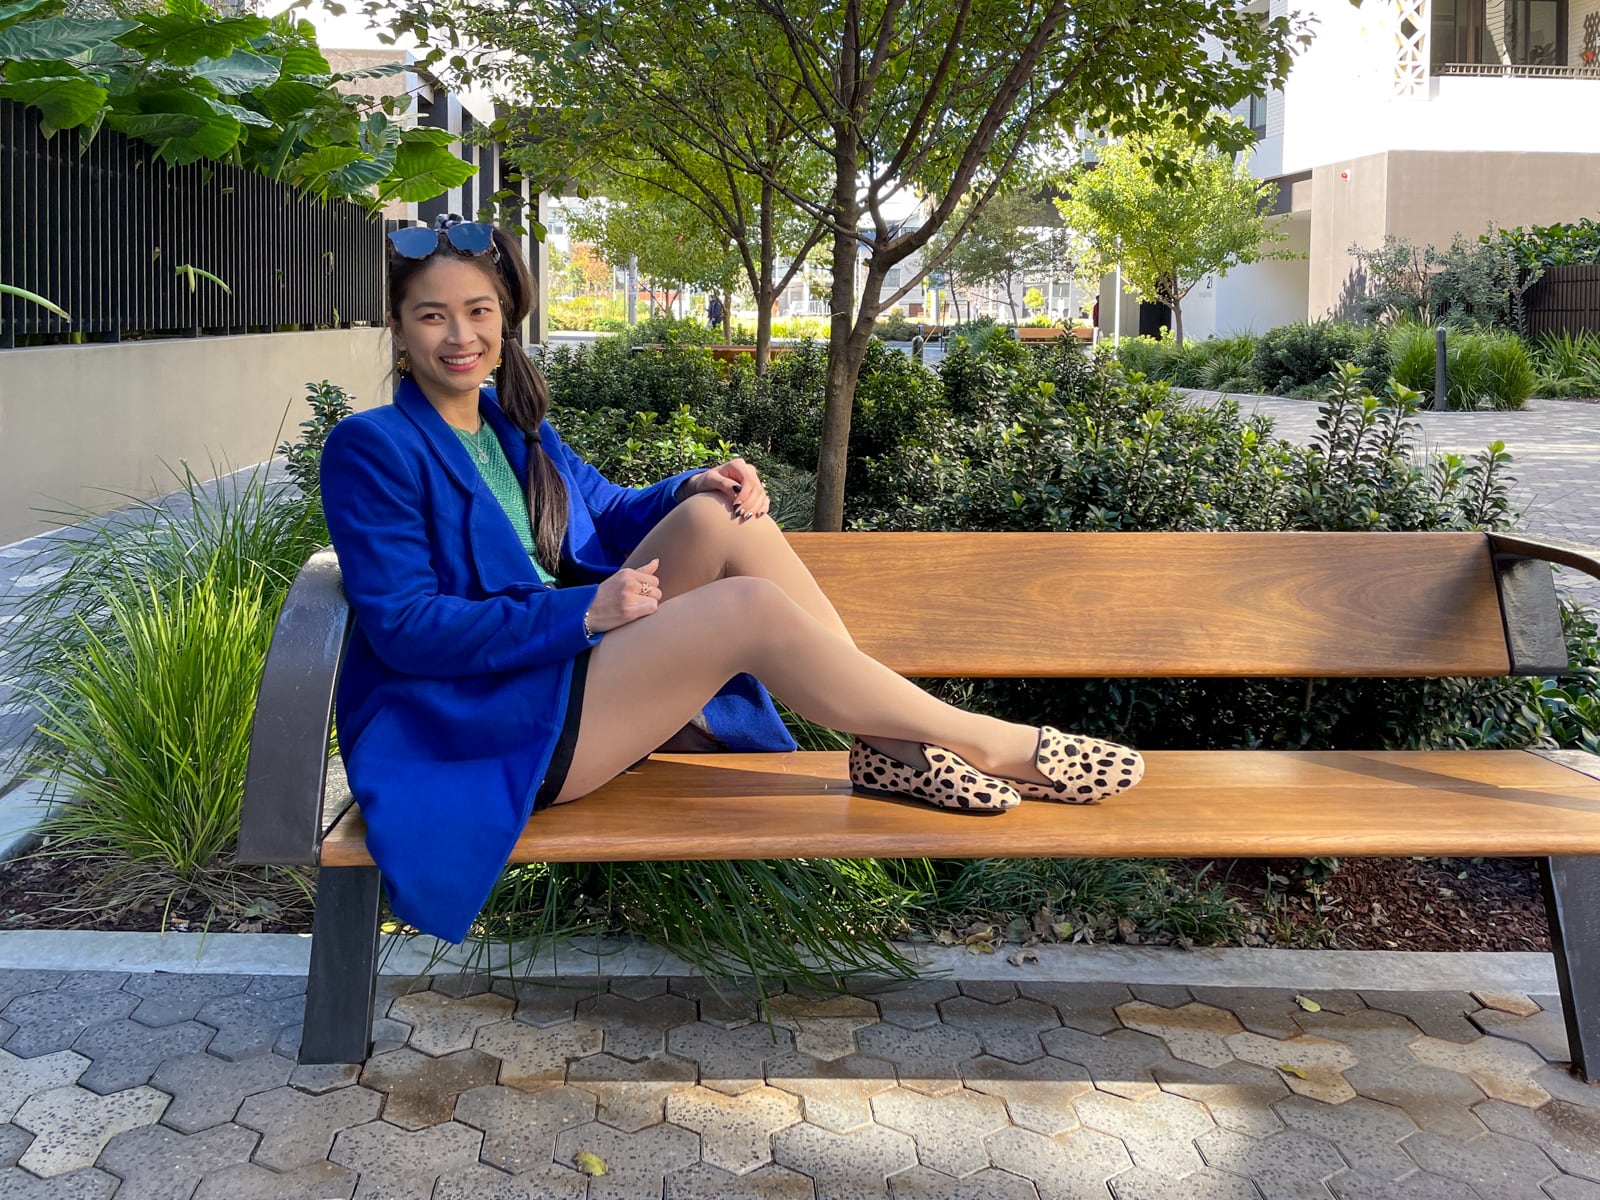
737	488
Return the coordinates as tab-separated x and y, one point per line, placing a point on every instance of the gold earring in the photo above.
403	363
501	361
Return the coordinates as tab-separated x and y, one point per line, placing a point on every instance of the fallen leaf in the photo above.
1288	1070
1043	922
980	947
945	938
590	1163
1022	956
1307	1003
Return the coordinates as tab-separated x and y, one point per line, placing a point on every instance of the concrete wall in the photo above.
1264	295
79	423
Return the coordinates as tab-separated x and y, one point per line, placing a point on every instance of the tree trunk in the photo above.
727	315
839	398
1177	323
764	288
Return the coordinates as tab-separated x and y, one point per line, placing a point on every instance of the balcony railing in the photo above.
1517	71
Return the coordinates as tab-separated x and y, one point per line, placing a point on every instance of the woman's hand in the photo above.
738	485
631	593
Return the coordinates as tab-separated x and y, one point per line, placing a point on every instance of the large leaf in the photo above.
245	116
427	135
305	60
289	99
64	98
182	125
10	12
422	171
182	40
57	37
381	71
241	71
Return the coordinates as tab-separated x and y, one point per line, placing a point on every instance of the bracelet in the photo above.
587	632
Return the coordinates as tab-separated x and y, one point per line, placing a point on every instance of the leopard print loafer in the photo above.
949	782
1081	769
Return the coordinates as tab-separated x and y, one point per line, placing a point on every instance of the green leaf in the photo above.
10	12
427	135
57	37
185	39
305	60
289	99
422	172
64	98
382	71
182	125
241	71
35	298
241	114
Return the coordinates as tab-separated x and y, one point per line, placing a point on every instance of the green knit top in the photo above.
490	457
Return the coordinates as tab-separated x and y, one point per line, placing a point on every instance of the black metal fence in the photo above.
1565	300
103	233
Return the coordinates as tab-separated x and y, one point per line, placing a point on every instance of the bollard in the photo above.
916	347
1441	378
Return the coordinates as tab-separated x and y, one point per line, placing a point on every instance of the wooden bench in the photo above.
1039	333
1177	605
719	353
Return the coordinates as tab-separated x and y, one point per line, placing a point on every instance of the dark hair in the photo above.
523	392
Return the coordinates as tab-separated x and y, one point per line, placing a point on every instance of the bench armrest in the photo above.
1567	554
1534	635
281	820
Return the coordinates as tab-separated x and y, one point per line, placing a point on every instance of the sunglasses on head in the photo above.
470	238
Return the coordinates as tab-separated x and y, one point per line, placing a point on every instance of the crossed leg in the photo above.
737	599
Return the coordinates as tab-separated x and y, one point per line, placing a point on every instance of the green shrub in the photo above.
1568	364
330	404
1484	369
1304	355
637	449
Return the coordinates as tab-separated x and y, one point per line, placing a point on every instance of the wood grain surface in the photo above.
1166	604
1191	803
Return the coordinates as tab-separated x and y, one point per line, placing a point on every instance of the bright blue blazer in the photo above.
454	685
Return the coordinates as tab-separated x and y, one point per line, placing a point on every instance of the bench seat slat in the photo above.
1191	803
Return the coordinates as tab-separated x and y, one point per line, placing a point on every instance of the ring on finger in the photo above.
644	589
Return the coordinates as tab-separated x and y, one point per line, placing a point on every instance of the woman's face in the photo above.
450	326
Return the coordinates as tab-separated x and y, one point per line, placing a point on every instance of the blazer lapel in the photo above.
441	439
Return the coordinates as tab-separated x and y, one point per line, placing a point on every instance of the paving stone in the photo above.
387	1035
1435	1099
519	1129
422	1090
637	1163
125	1053
1568	1134
1267	1011
1562	1084
948	1130
51	1021
1497	1167
1163	995
1193	1032
547	1003
631	1095
6	1030
1545	1031
1441	1015
730	1060
702	1181
248	1025
157	1163
1286	1163
732	1005
1318	1064
1068	1167
22	1077
92	981
1121	1062
1158	1132
207	1091
317	1078
924	1183
13	1141
1419	1185
1091	1007
1504	1070
925	1060
532	1056
87	1184
1342	1001
1367	1133
441	1025
822	1028
460	985
165	997
1007	1028
640	987
391	987
298	1128
845	1166
1207	1183
73	1124
1239	1096
246	1181
1566	1187
1514	1003
988	991
396	1162
916	1005
735	1130
14	983
636	1029
1038	1095
835	1093
480	1182
276	987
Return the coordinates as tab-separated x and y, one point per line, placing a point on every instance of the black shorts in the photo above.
561	758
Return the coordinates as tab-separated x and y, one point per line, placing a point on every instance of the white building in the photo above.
1419	118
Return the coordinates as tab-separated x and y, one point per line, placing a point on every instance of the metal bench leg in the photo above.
344	967
1572	904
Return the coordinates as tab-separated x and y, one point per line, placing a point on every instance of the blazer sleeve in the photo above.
375	511
622	515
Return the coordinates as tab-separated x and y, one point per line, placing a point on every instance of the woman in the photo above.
525	629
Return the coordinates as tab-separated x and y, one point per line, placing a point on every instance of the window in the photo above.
891	278
1499	32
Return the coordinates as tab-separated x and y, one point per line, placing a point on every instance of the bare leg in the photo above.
648	677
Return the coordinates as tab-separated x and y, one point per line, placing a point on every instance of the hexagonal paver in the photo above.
1515	1003
422	1090
1312	1066
1388	1073
1007	1028
1438	1014
93	981
482	1182
534	1056
735	1130
14	983
162	1164
1367	1133
87	1184
126	1053
459	985
166	998
724	1003
405	1162
22	1077
298	1128
1037	1095
1121	1062
1268	1011
1208	1183
1419	1185
547	1003
1568	1134
1569	1188
1239	1096
915	1005
637	1164
1193	1032
925	1060
246	1181
207	1091
73	1124
631	1095
925	1183
442	1025
50	1021
825	1027
1158	1132
1544	1031
636	1029
730	1060
1504	1070
845	1164
835	1093
1497	1167
1090	1007
387	1034
702	1181
1288	1162
948	1130
249	1024
520	1129
1073	1165
317	1078
13	1141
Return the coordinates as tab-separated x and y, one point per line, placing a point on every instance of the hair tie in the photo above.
533	439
